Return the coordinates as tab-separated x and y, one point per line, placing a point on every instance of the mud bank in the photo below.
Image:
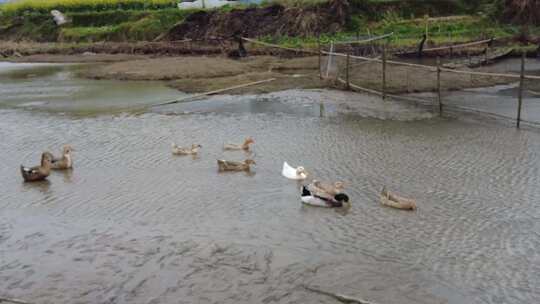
275	20
201	74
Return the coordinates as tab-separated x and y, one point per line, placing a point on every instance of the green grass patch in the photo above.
88	34
126	26
45	6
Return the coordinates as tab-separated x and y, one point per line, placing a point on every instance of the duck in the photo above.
310	198
40	172
226	165
298	173
65	161
392	200
244	146
185	151
325	188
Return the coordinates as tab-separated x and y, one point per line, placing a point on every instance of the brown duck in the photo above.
226	165
65	161
244	146
38	173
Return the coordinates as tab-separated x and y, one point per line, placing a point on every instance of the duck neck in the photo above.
67	158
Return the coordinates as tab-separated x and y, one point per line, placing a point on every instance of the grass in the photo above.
408	33
128	26
45	6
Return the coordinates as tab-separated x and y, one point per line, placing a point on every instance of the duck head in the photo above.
342	198
67	149
300	171
195	146
250	162
46	159
249	140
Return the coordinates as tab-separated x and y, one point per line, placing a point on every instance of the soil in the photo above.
202	74
194	74
76	58
405	79
275	20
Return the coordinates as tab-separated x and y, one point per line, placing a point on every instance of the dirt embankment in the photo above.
202	74
275	20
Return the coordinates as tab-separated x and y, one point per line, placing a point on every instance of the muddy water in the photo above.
54	87
134	224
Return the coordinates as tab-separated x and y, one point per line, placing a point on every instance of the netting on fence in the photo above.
492	91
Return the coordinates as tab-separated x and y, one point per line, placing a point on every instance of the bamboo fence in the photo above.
438	69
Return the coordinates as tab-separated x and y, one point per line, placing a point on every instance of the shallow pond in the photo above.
133	224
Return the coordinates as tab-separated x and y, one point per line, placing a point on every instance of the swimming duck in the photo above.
310	198
289	172
392	200
324	188
225	165
185	151
244	146
65	161
40	172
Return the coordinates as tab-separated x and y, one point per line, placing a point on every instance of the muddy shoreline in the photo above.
202	73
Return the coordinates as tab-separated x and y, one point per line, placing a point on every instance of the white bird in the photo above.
291	173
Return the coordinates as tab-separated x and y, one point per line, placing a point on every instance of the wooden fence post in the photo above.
384	72
347	71
329	63
320	63
520	92
439	99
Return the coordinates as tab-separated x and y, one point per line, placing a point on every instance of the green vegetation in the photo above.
407	33
136	20
45	6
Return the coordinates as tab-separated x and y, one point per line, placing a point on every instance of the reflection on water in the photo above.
53	87
132	223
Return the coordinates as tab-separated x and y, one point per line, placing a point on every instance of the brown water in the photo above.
134	224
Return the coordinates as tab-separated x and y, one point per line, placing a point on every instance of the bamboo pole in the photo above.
454	46
420	66
15	301
214	92
339	297
319	54
384	72
439	85
329	62
371	39
347	71
520	92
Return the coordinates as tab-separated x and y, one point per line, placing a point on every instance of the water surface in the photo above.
132	223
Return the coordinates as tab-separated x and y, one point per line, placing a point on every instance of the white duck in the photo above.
291	173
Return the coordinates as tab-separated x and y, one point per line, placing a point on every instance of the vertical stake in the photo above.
439	99
347	71
320	63
520	92
384	72
329	63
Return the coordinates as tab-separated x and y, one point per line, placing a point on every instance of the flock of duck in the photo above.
316	193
